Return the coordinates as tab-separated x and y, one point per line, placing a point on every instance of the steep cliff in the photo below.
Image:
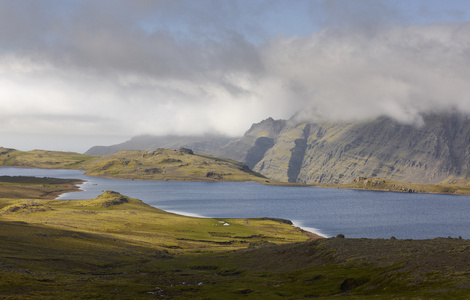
339	152
252	147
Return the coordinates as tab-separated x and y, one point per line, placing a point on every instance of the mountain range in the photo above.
437	150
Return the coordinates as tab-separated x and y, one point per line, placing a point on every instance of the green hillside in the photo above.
158	164
42	159
167	164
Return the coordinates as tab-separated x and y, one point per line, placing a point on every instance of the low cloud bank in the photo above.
96	71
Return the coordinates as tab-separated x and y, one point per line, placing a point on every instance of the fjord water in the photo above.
325	211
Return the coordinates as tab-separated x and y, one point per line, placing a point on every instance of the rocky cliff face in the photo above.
252	147
339	152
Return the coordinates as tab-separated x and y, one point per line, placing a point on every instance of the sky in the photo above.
79	73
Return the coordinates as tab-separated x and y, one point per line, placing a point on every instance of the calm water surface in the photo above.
325	211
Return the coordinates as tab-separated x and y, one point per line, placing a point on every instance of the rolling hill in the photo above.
158	164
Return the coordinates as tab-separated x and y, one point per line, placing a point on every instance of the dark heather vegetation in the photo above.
33	187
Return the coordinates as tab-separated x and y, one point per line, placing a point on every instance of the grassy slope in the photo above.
119	217
166	164
42	159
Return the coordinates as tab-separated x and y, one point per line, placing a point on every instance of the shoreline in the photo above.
363	185
40	187
309	231
425	188
312	230
73	187
286	191
313	233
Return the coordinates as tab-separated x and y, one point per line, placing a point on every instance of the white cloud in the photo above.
400	71
89	70
333	74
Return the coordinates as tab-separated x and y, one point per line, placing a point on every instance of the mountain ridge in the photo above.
338	152
199	144
383	148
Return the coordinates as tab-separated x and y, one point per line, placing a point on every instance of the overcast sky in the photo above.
77	73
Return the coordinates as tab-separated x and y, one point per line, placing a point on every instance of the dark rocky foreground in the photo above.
323	268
